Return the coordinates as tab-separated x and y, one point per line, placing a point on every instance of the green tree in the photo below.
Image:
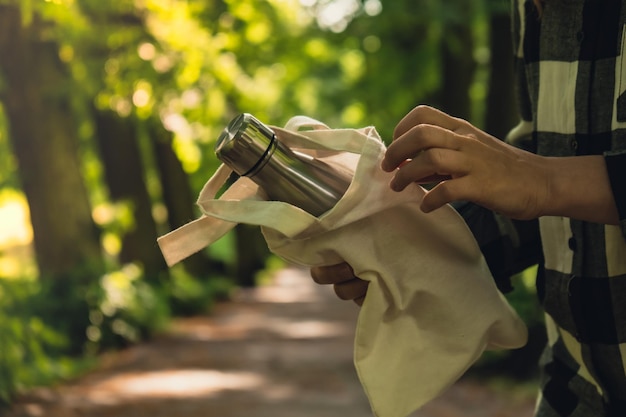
125	178
36	93
501	109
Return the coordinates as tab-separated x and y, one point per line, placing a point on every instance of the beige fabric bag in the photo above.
431	308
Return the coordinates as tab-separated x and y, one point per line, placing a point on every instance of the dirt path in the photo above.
279	351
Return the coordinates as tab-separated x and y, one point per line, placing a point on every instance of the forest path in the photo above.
282	350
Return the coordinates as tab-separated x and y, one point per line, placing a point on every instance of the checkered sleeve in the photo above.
508	246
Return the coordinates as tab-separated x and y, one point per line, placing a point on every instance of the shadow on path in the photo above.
284	350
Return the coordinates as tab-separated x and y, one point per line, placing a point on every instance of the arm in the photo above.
468	164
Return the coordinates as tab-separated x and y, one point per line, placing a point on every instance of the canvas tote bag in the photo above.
431	308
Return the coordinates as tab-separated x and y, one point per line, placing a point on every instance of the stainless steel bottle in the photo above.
252	149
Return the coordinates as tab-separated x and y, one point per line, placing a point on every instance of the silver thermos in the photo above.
252	149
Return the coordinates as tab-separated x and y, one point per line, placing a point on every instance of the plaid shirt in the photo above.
571	68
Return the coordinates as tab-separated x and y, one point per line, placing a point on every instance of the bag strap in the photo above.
298	123
243	195
191	238
333	140
198	234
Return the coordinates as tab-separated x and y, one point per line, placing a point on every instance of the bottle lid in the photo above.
245	145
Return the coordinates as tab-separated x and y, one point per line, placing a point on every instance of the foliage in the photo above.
7	161
189	66
43	340
188	296
29	349
523	298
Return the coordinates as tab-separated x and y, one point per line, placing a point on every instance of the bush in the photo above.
26	342
51	329
189	295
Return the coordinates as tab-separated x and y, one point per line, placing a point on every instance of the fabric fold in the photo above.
432	307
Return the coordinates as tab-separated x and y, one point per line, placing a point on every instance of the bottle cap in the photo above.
245	145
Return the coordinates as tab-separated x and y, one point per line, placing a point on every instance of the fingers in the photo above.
426	115
332	274
359	300
426	154
429	166
416	140
345	284
445	192
354	289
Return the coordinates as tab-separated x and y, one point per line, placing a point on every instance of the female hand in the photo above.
467	164
341	276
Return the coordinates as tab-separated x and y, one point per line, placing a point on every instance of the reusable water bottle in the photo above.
252	149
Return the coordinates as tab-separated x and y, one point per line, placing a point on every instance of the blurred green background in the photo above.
108	115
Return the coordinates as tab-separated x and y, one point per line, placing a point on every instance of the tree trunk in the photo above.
457	58
252	252
501	111
178	196
36	96
124	173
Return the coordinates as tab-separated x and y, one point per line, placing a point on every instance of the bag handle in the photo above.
198	234
297	123
243	198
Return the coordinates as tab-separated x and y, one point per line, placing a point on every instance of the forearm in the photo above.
468	164
580	189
